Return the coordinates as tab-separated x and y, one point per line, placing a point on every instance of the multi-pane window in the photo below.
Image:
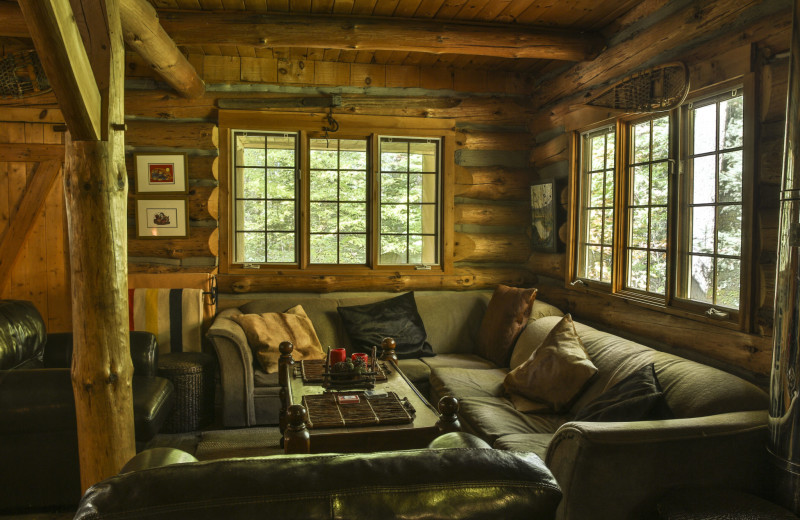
360	210
647	172
409	191
596	235
338	195
265	198
715	144
683	241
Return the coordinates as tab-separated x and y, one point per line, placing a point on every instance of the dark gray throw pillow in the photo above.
396	318
638	397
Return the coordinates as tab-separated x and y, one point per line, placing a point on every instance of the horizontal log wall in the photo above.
491	192
758	49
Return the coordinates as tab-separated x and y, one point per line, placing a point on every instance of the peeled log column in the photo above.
95	186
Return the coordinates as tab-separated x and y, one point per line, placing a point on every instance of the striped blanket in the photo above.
175	316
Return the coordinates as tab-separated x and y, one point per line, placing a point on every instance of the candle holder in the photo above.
344	375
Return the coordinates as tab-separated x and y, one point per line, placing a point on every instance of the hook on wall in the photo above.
333	123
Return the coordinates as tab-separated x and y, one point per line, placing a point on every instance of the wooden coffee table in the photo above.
426	425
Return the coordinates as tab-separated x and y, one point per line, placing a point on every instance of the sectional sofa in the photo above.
605	469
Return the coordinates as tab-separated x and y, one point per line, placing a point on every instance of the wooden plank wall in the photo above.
760	51
492	177
41	272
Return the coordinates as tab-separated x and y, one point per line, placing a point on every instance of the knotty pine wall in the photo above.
759	52
41	271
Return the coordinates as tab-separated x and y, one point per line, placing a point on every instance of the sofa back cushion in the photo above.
321	312
691	389
22	334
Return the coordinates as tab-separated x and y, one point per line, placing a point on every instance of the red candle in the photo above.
360	355
338	355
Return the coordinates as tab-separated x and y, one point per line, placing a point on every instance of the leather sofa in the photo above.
457	477
38	431
717	437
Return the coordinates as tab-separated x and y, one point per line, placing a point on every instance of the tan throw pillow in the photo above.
266	331
556	372
506	315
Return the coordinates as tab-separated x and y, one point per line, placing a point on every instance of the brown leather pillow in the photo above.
266	331
556	373
506	316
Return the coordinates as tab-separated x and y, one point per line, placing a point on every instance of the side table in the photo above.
192	374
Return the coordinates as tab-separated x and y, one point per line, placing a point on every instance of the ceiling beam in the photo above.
144	34
347	33
60	48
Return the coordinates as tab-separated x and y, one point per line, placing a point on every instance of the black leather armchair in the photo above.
38	429
458	477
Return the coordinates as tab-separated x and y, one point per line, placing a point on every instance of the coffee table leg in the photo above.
448	415
285	364
296	438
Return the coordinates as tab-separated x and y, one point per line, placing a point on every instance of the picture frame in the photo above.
544	225
161	173
162	217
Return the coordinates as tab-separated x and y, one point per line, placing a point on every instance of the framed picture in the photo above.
163	173
544	235
162	218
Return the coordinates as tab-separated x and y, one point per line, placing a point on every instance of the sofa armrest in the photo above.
143	348
156	458
236	369
597	464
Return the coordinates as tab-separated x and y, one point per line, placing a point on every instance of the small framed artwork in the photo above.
162	218
163	173
544	235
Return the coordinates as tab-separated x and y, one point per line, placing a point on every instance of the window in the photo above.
597	200
678	186
362	199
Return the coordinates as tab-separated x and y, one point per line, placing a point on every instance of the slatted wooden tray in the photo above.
324	412
312	370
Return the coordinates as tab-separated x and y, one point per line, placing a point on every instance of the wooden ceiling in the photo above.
576	17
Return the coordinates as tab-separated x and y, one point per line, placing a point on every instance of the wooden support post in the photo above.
285	366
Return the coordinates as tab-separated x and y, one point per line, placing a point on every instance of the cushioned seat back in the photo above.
690	388
447	483
22	333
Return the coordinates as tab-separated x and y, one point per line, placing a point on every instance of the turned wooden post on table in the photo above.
296	438
448	415
387	350
285	367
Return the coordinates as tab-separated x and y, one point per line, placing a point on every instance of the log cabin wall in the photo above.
492	177
757	50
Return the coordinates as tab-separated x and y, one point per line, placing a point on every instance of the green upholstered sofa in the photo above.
606	470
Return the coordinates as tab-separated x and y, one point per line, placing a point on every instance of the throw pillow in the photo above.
266	331
506	315
395	318
638	397
556	372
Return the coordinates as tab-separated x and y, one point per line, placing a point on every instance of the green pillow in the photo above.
638	397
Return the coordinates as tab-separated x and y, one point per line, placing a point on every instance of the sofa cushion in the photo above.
319	309
638	397
397	318
452	321
506	315
493	417
556	372
464	382
470	361
531	442
261	378
417	372
266	331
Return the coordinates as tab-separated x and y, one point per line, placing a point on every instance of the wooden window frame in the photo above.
351	126
670	303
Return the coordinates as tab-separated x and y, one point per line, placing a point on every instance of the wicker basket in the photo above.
192	374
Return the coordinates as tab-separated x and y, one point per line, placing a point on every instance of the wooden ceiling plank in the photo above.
233	5
513	10
363	7
231	27
406	8
278	6
144	34
66	63
31	205
428	8
471	9
13	21
322	6
385	8
343	6
300	6
492	10
449	9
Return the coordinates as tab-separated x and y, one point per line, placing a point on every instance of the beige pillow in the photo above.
266	331
556	372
